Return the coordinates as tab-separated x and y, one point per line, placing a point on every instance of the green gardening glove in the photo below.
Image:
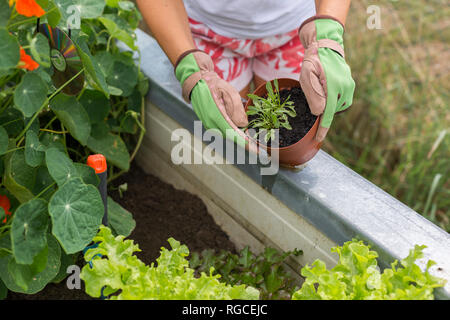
217	104
325	77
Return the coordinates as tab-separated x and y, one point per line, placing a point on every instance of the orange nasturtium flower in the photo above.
26	62
28	8
5	204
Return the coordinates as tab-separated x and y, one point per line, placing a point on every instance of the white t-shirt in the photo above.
250	19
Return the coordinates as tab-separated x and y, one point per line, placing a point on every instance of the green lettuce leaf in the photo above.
358	277
118	272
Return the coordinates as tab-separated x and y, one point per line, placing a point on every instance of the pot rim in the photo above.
286	87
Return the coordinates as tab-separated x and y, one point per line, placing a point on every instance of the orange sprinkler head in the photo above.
98	162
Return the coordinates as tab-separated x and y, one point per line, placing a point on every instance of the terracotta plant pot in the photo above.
303	150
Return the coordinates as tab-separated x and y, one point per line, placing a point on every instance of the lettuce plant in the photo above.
270	113
264	271
114	271
357	277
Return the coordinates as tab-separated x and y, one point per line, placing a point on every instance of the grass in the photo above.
396	134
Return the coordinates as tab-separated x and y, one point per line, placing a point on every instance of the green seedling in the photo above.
271	113
265	271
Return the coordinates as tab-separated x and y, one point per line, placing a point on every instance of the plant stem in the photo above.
6	250
115	176
6	105
45	190
142	133
53	131
6	226
108	43
20	141
28	20
138	145
81	92
49	123
9	122
46	103
15	149
63	130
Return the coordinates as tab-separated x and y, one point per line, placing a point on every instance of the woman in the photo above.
218	47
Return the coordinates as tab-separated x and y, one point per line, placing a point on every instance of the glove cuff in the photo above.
327	32
191	67
184	54
320	16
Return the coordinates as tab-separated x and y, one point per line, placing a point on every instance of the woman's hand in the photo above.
325	77
217	104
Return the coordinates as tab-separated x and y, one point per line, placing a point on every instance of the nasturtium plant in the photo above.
112	270
358	277
50	204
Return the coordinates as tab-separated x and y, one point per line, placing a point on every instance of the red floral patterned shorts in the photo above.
237	60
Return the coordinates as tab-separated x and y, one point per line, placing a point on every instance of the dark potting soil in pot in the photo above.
301	123
161	212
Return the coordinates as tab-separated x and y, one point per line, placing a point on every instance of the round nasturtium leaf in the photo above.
105	61
120	220
23	274
126	5
3	290
96	105
119	29
12	179
66	261
40	280
134	102
87	174
112	147
84	9
29	230
30	94
44	181
72	114
9	50
33	156
60	166
4	140
124	77
76	210
5	13
52	140
95	77
12	120
19	177
21	171
53	14
40	50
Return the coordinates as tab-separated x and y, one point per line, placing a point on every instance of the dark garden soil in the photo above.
161	212
301	123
